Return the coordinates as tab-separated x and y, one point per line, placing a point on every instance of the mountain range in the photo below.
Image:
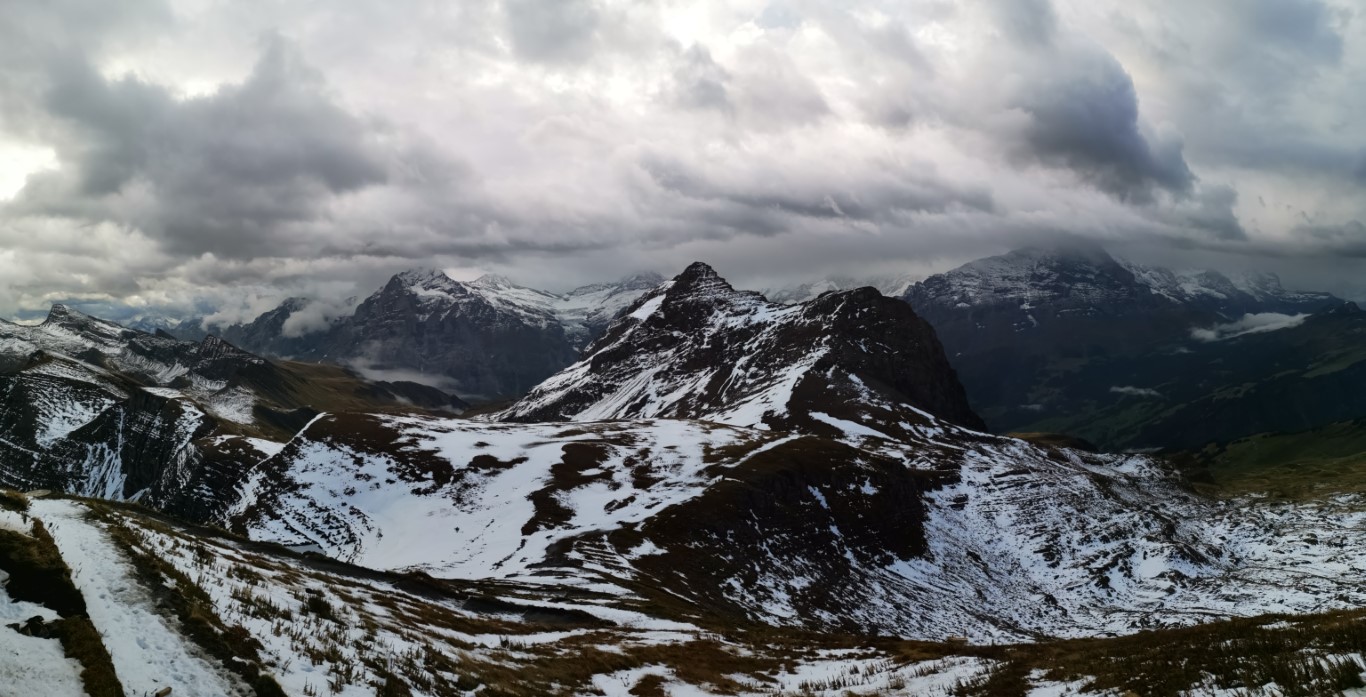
1062	339
488	339
814	465
717	494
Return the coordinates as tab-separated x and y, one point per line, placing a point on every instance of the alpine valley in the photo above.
674	487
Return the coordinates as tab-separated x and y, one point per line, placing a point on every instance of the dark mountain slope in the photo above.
1126	356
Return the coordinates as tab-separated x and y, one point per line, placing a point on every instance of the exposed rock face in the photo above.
697	348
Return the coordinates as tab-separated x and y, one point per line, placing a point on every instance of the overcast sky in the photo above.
160	154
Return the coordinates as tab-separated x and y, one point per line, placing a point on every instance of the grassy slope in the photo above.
1294	466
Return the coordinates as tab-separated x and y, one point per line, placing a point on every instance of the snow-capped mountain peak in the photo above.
1088	280
421	277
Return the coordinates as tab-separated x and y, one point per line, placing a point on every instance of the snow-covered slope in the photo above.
942	532
492	500
583	312
202	612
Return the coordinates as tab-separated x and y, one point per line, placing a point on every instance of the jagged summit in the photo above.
487	338
420	276
695	347
697	269
65	315
60	313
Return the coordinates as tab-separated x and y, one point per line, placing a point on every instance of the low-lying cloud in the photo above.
1132	391
1258	323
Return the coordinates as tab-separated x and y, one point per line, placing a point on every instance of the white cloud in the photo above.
1135	391
1249	324
316	316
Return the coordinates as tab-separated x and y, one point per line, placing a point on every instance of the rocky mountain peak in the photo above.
216	356
61	314
420	278
292	304
67	319
697	348
701	282
697	271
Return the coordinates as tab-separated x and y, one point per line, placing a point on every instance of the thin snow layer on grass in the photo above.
870	674
31	665
267	448
1026	543
876	675
498	499
620	683
365	621
1045	688
307	649
149	653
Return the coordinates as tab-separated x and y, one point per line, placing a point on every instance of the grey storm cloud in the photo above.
701	82
1031	22
551	30
221	173
188	155
1083	115
881	196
